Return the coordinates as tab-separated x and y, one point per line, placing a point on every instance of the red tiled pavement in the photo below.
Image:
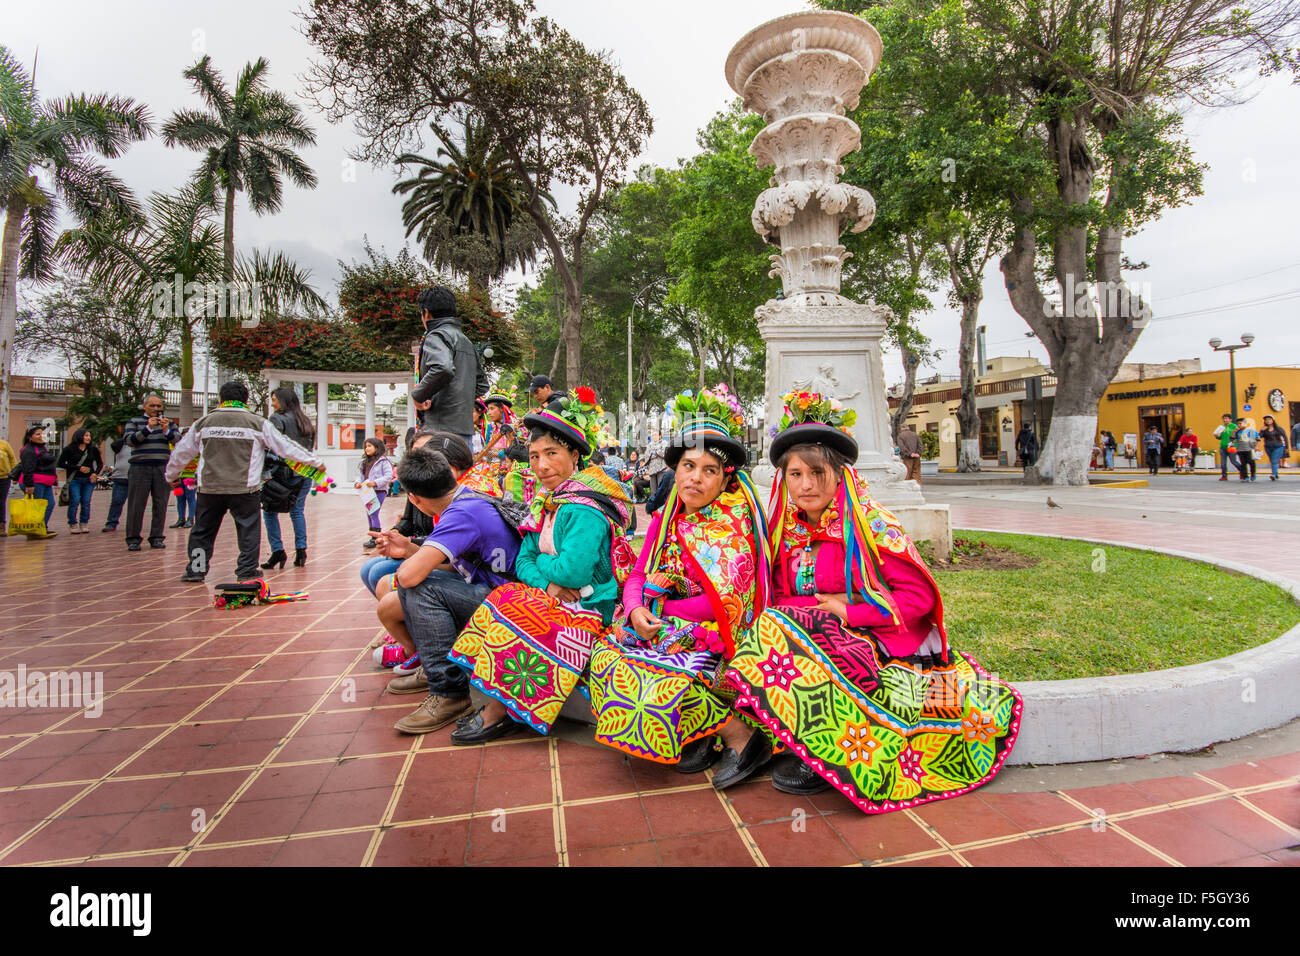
263	737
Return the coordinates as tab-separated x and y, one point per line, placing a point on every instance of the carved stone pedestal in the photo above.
803	72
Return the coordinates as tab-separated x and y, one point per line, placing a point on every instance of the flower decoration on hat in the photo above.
802	408
717	403
582	410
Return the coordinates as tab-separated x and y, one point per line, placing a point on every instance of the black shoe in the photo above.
157	543
190	577
299	557
245	578
189	523
370	543
133	546
178	523
699	756
470	730
108	527
792	775
735	767
277	557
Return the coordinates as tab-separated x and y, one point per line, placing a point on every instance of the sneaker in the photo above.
408	666
190	577
413	683
390	655
157	543
434	714
108	527
133	546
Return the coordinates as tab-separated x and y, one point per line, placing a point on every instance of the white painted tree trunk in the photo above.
13	231
1068	449
969	455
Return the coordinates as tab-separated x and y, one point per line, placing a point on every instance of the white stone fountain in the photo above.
802	72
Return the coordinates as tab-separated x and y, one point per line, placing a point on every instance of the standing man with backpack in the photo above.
450	373
231	444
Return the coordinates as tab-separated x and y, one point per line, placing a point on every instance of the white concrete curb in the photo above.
1177	709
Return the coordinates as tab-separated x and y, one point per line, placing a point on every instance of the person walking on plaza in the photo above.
1109	446
1275	445
376	472
1153	443
151	437
81	463
37	475
1227	456
121	479
1027	445
293	423
909	449
231	444
656	469
186	495
1245	439
450	373
8	462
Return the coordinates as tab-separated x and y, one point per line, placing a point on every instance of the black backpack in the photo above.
280	489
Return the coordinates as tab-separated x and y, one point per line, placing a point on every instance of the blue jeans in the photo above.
435	610
375	568
187	503
296	517
46	492
1275	455
79	492
117	503
1110	457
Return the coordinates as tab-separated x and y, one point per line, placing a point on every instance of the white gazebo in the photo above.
340	463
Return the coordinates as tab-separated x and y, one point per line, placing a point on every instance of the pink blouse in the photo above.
695	608
913	593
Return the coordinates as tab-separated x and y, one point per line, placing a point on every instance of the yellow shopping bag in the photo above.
27	515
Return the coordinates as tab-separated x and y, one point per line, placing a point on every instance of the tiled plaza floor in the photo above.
264	736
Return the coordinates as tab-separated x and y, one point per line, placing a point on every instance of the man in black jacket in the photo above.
151	436
1027	445
544	394
450	373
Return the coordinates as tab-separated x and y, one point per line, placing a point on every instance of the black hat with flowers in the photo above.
577	423
713	419
814	419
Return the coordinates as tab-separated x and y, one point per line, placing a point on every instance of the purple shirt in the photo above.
476	540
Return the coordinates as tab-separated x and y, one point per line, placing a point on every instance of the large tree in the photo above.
47	163
170	267
466	208
562	114
115	352
248	138
1104	81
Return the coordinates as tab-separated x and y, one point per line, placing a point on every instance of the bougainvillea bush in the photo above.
325	345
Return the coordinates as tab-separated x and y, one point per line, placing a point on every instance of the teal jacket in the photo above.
582	545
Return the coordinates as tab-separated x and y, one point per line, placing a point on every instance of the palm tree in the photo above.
172	265
60	139
249	138
466	207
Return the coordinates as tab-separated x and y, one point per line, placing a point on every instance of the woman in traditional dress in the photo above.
850	667
528	644
696	591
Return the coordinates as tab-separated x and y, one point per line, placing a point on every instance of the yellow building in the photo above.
1196	401
1173	396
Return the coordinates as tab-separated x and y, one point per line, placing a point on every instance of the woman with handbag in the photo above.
81	463
36	472
292	422
8	467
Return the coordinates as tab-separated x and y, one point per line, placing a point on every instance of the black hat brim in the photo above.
533	422
812	433
736	453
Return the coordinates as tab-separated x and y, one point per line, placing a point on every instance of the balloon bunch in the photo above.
324	486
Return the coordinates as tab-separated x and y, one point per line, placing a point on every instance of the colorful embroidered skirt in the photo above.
651	704
527	650
887	733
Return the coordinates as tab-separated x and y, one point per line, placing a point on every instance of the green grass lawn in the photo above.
1062	619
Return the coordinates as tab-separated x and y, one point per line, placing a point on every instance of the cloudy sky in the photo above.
1229	263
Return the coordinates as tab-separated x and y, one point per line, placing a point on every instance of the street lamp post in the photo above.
1218	346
